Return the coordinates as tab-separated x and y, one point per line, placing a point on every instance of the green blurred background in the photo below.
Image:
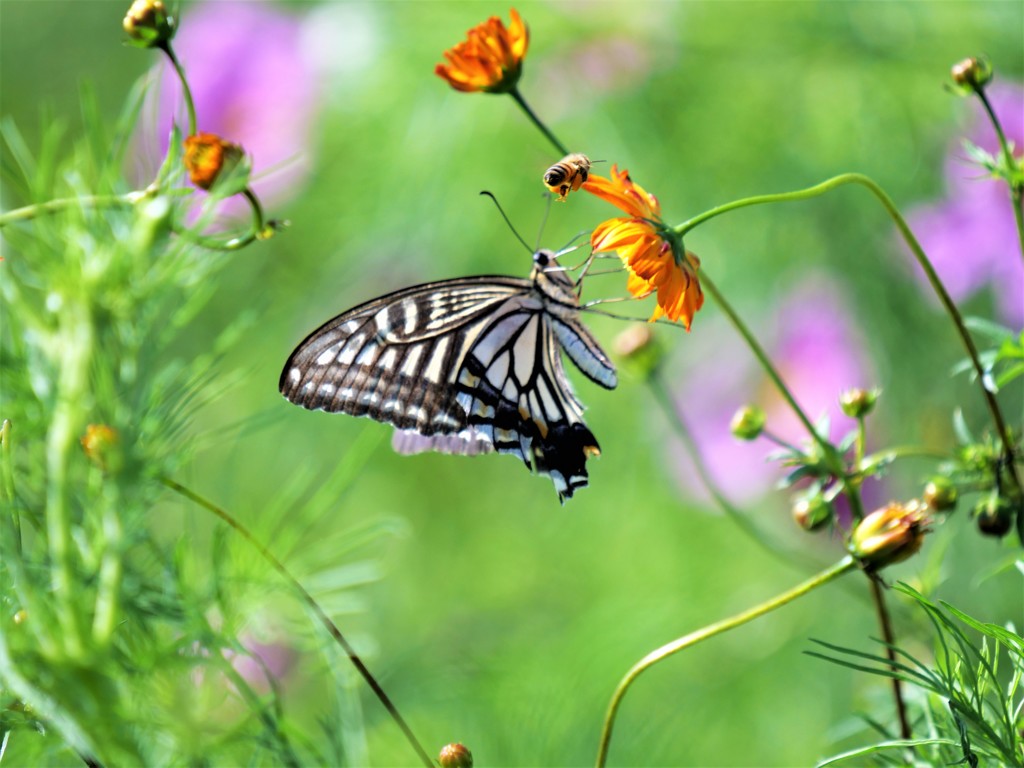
503	620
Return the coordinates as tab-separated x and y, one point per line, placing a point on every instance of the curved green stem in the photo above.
331	627
844	565
514	93
919	254
185	90
1016	187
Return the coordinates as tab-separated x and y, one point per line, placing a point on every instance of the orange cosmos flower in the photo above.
490	59
649	250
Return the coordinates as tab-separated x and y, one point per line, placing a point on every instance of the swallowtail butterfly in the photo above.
470	365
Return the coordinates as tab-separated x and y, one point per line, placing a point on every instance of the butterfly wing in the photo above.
459	366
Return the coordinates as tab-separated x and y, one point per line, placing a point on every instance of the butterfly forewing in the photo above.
470	366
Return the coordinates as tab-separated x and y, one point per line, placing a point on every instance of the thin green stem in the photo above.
885	623
7	483
86	201
829	574
919	254
314	606
678	424
185	90
1016	187
766	363
108	592
514	93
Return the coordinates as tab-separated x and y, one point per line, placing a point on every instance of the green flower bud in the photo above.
748	422
940	494
994	515
455	756
890	534
812	512
148	24
973	73
857	403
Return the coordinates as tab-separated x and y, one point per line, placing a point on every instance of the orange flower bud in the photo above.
102	444
455	756
890	534
208	157
148	24
490	59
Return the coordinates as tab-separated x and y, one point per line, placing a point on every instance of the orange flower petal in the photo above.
489	59
624	194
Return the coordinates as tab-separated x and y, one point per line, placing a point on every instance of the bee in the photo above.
568	174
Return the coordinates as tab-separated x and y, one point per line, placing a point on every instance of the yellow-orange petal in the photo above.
622	192
207	155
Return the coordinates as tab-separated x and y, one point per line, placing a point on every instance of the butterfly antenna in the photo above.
509	223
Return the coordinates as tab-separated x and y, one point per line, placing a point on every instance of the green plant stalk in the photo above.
843	566
884	622
55	206
7	483
766	363
75	345
514	93
919	254
314	606
186	92
111	569
1016	188
661	395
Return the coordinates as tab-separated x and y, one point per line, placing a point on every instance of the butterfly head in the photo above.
551	278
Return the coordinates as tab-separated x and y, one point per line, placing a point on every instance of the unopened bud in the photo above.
812	513
639	349
209	159
857	403
973	73
148	24
994	515
455	756
940	494
102	444
748	422
20	616
890	534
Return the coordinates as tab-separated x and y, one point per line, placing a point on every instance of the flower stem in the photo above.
878	598
657	385
831	573
185	90
919	254
766	363
1016	186
314	606
514	93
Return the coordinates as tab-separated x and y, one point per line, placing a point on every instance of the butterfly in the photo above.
464	366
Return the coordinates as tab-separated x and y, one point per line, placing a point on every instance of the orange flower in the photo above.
490	59
650	250
207	155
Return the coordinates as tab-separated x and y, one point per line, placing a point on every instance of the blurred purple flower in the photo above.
970	235
251	84
262	662
814	345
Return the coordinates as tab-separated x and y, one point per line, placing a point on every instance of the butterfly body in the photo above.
470	365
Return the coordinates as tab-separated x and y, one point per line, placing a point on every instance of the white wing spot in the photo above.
327	356
294	375
327	389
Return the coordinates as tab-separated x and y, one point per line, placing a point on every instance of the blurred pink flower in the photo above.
251	84
970	235
262	662
813	343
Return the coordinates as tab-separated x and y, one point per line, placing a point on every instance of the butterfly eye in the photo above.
542	259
